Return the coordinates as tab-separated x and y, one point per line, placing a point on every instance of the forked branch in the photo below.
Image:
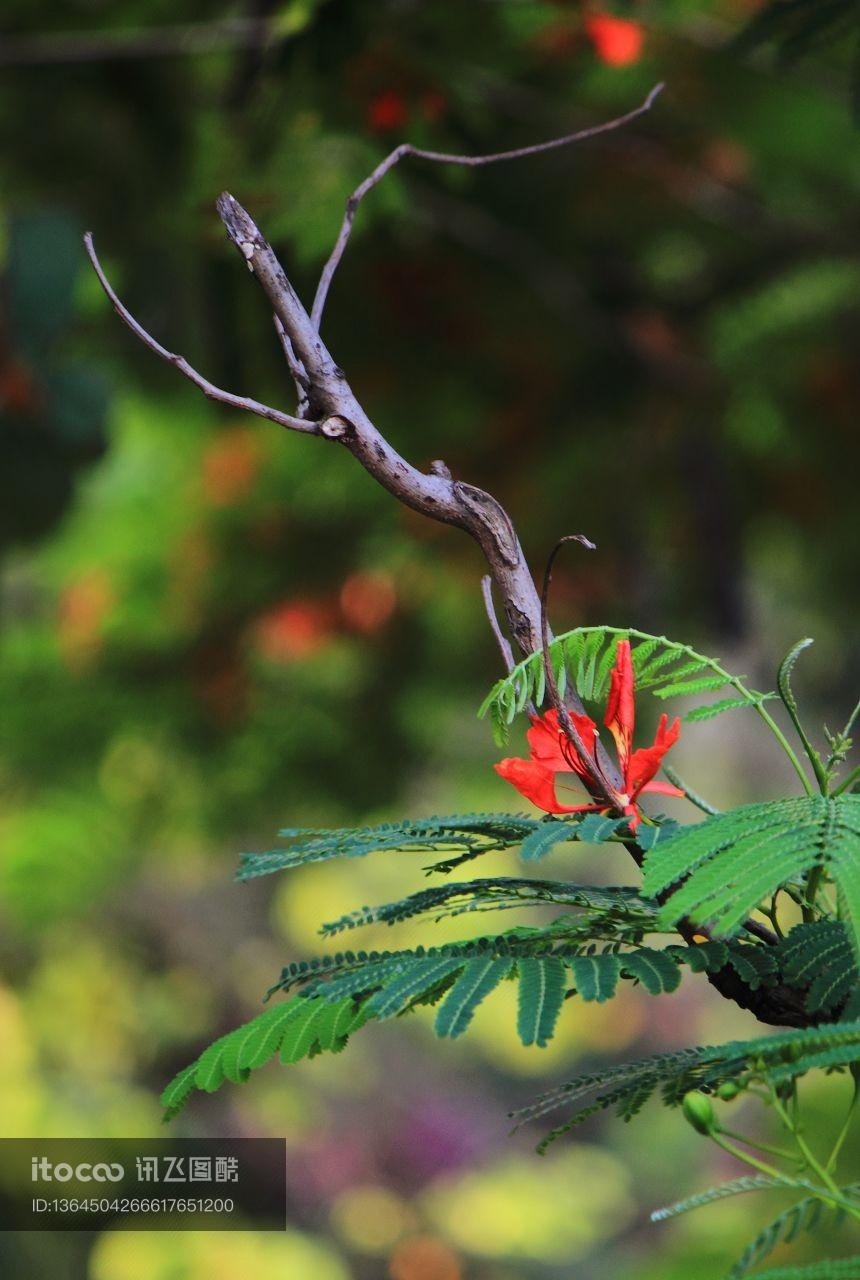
329	409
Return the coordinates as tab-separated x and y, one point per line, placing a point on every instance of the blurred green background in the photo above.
210	629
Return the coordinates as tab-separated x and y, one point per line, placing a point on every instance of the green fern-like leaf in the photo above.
806	1215
737	1187
657	970
477	979
829	1269
724	867
818	957
542	985
469	834
665	667
596	976
293	1030
618	904
542	841
774	1059
340	993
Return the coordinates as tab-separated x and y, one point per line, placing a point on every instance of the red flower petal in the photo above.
645	762
662	789
620	706
550	746
631	813
617	41
535	782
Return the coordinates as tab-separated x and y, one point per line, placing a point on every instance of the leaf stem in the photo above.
759	1146
803	1147
693	796
848	782
843	1132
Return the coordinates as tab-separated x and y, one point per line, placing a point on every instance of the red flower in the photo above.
552	752
617	41
387	111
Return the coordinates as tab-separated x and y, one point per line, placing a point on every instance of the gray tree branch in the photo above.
245	403
441	157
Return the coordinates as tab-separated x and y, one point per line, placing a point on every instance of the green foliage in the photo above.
586	657
295	1030
829	1269
776	1060
542	841
737	1187
725	866
795	29
786	693
809	1214
608	903
461	975
542	987
596	975
471	834
819	956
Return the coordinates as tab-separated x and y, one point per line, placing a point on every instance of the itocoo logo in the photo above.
44	1170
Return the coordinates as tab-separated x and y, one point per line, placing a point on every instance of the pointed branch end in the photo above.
654	95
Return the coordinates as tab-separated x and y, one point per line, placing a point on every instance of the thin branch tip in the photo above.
654	95
244	403
405	149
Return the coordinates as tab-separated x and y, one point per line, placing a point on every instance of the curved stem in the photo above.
848	782
759	1146
780	737
752	1161
843	1132
807	1153
691	795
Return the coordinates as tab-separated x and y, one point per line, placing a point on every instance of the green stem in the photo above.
769	1169
847	782
829	1194
804	1149
691	795
813	883
780	737
759	1146
843	1132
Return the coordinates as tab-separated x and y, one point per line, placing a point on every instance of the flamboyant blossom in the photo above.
552	752
617	41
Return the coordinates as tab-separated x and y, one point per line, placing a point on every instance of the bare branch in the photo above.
208	388
441	157
331	399
297	369
186	39
504	647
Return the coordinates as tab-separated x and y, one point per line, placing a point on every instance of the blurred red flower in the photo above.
387	111
617	41
230	467
294	630
367	601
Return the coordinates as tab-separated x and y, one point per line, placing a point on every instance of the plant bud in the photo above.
728	1090
699	1112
